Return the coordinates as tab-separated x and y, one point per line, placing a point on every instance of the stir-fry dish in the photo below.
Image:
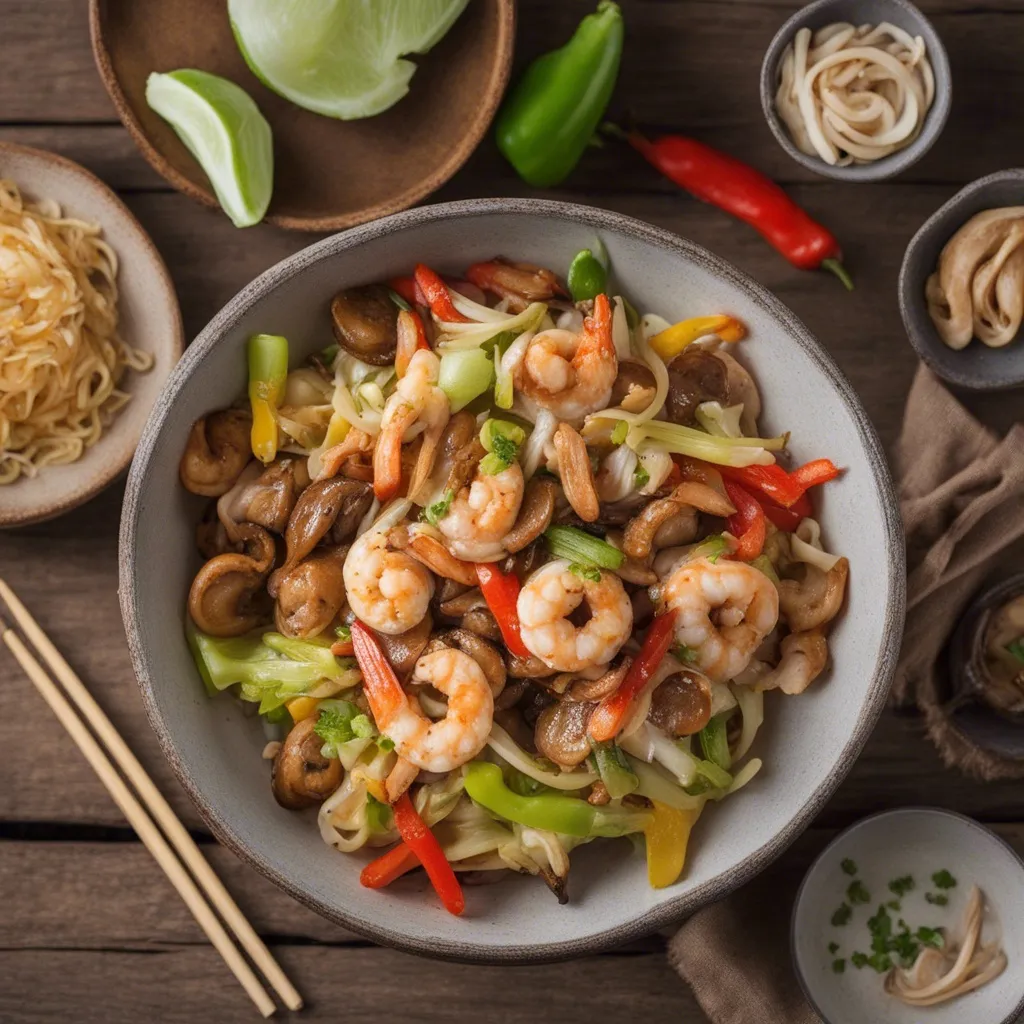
506	569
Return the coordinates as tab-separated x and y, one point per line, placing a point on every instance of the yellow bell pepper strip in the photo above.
671	341
668	836
268	370
302	707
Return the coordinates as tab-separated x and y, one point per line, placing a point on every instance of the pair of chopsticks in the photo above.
142	818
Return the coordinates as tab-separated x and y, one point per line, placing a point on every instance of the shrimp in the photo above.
724	610
417	406
571	374
547	600
482	513
443	745
389	590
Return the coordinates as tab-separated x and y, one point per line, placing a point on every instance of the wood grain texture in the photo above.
91	931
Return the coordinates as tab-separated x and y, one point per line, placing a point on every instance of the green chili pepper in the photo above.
550	812
552	113
587	276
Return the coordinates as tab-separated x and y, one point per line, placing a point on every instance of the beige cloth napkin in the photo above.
962	500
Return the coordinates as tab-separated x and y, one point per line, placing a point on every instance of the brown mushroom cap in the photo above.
265	496
694	377
217	451
301	775
631	376
561	732
365	322
534	514
681	705
404	649
309	595
227	595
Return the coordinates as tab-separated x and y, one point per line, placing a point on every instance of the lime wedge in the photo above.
226	133
340	58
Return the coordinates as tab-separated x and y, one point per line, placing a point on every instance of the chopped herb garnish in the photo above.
839	965
901	886
687	655
385	743
842	915
930	937
619	432
833	948
894	905
585	572
859	960
343	633
640	477
894	944
433	514
938	899
857	893
1017	648
849	867
943	879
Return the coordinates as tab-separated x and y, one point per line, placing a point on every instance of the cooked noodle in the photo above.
852	95
61	357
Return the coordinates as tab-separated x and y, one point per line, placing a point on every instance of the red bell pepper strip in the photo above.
435	291
501	592
407	288
748	525
610	715
380	684
717	178
787	519
810	474
389	866
422	842
772	481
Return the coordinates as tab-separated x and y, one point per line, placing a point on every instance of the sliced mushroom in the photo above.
463	465
633	378
301	776
335	505
456	607
227	595
526	668
485	654
404	649
641	531
534	514
461	430
482	622
576	473
694	377
681	704
365	322
265	496
815	597
217	451
310	594
561	732
603	686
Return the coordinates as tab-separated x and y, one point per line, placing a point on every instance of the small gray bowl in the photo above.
977	366
903	15
807	744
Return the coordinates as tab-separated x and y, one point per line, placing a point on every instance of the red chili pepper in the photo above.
772	481
501	592
422	842
389	866
408	289
810	474
731	185
380	684
437	295
748	525
610	715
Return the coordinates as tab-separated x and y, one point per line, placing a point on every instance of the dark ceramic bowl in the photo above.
903	15
807	744
977	366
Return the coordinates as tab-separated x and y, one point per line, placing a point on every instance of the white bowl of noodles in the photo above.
806	744
89	328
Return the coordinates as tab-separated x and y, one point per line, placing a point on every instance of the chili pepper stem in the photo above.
835	267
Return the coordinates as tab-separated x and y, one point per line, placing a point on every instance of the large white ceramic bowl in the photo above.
807	744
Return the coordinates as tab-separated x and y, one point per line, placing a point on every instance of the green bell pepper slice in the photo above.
587	276
553	111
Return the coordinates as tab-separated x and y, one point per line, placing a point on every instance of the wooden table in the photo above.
89	928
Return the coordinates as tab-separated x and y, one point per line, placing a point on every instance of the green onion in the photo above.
716	776
619	432
712	548
714	743
585	572
503	385
724	451
580	547
464	375
501	440
343	633
329	354
398	300
640	476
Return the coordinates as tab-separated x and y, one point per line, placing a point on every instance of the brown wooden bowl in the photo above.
328	174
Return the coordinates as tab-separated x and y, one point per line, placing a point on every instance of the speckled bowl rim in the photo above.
672	910
889	166
461	150
72	499
925	346
863	823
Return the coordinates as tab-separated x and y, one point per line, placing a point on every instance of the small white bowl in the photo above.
149	319
900	13
914	841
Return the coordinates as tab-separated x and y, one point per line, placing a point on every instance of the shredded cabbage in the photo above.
658	465
508	750
656	785
751	702
459	336
532	453
620	329
615	480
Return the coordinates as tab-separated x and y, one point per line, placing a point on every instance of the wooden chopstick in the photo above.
137	816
